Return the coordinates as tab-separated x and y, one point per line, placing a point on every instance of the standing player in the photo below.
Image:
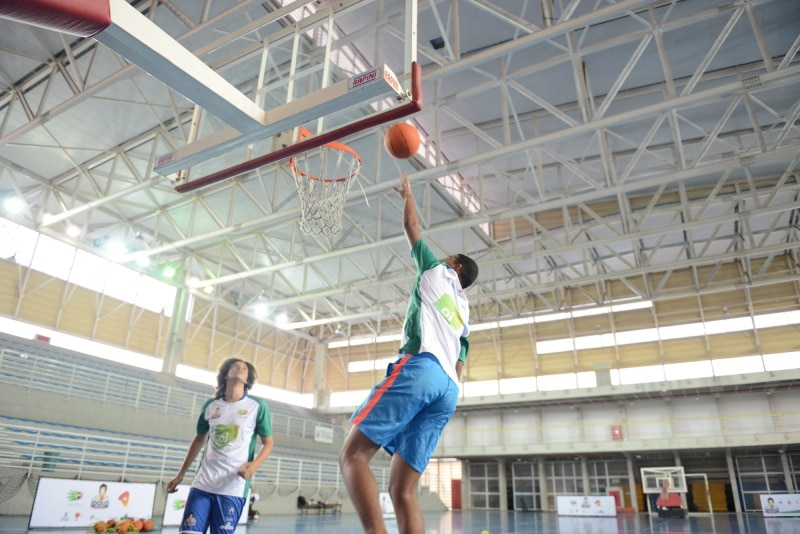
227	427
406	413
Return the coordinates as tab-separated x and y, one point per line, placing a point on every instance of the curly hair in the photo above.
222	376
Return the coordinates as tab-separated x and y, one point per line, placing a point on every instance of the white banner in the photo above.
323	434
780	505
387	507
594	505
61	503
176	503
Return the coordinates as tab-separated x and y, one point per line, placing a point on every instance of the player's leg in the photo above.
414	445
403	481
196	512
354	459
225	513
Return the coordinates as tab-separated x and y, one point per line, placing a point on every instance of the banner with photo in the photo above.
63	503
780	505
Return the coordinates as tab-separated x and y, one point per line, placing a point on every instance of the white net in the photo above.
323	180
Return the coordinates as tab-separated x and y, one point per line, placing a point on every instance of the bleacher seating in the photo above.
45	448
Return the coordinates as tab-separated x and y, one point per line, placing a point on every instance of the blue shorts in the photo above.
203	510
407	412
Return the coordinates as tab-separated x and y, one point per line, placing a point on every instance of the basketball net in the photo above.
323	178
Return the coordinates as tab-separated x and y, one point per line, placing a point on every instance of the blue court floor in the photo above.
475	522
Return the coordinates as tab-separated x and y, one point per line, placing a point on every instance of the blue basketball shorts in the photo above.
408	410
203	510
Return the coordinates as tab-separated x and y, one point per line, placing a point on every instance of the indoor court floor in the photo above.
475	522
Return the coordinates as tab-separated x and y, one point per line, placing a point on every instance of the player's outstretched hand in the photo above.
405	189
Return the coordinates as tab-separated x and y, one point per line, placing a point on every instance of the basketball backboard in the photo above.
663	480
303	77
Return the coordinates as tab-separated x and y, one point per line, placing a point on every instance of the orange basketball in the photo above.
401	140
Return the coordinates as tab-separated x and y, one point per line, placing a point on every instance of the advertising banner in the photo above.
586	505
780	505
61	503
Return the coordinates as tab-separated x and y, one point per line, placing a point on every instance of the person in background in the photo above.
407	412
229	426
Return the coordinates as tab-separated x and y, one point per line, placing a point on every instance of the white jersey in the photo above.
437	321
233	428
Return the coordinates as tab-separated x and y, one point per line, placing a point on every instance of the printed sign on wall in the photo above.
61	503
601	505
780	505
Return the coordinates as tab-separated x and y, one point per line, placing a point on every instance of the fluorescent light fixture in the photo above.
688	370
557	382
356	341
588	379
782	361
195	374
364	366
483	388
341	399
305	400
641	375
508	386
736	366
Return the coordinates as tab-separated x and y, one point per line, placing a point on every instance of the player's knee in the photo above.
402	493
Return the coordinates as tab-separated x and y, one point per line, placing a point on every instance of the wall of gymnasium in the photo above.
727	291
213	332
692	419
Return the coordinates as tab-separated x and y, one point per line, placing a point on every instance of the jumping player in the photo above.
407	411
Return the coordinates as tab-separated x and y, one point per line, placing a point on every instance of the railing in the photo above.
108	385
37	451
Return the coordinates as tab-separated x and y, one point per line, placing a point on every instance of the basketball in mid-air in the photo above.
401	140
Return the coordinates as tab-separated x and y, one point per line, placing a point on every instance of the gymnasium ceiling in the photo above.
588	148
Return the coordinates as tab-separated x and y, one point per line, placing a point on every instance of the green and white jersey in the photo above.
233	437
438	312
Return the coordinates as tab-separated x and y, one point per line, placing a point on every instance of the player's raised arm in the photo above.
410	220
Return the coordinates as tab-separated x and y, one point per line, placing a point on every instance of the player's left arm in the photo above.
249	469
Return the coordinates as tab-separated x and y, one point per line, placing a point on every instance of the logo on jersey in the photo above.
224	434
447	307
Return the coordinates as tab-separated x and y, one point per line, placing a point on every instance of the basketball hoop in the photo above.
323	181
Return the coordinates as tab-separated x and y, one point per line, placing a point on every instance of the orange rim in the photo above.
335	145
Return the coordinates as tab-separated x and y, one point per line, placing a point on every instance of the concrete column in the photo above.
787	473
585	476
466	487
734	483
501	479
175	332
544	496
632	484
322	395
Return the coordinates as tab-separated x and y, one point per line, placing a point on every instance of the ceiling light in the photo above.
73	230
143	261
208	290
169	271
14	205
261	309
115	249
281	320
